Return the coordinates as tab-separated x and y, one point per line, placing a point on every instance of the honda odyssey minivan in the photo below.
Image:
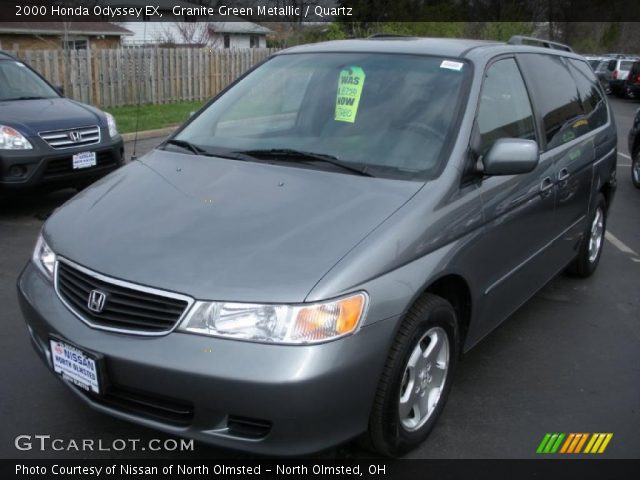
305	260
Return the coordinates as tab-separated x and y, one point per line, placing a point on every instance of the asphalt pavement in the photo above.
567	361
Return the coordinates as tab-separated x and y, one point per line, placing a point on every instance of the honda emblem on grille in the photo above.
75	136
97	300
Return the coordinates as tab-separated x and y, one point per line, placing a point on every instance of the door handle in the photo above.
563	175
545	186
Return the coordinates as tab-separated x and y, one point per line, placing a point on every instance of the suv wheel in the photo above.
635	169
592	241
416	378
628	93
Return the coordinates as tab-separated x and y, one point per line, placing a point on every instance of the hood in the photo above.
33	116
220	229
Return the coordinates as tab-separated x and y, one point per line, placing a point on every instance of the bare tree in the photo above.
193	33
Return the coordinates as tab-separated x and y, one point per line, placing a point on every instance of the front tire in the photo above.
635	168
592	242
416	379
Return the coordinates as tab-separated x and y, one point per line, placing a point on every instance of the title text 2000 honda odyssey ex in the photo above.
307	257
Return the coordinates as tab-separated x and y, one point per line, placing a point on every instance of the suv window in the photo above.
504	110
17	81
593	105
556	96
626	65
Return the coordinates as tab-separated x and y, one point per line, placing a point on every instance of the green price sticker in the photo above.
350	85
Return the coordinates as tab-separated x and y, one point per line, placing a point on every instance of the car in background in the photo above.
634	149
632	84
603	74
594	61
47	140
617	72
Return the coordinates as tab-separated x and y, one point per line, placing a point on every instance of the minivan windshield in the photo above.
18	82
386	114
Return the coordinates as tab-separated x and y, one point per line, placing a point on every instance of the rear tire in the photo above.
416	379
592	241
635	168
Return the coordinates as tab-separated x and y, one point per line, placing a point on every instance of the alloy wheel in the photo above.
424	378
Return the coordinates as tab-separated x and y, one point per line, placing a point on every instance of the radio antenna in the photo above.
135	138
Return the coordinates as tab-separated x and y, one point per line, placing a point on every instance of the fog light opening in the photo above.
17	171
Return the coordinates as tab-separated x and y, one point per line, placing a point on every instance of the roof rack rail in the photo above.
538	42
388	35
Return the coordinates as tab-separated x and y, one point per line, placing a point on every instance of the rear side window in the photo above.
556	97
593	105
504	110
626	65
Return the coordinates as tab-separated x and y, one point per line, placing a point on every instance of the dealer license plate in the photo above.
76	366
84	160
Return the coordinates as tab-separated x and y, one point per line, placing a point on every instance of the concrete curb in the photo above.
159	132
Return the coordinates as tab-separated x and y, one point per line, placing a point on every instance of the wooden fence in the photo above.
109	78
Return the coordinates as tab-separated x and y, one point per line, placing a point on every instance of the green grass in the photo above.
152	116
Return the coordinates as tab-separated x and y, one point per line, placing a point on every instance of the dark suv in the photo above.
47	139
314	249
632	84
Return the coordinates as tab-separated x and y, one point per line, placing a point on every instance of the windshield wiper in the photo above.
196	150
186	145
291	154
28	97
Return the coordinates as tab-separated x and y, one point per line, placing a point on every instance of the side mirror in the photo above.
59	89
511	156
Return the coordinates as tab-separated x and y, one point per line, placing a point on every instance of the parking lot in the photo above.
567	361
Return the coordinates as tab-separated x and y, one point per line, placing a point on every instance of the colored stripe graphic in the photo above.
598	442
581	443
572	443
567	443
543	443
550	443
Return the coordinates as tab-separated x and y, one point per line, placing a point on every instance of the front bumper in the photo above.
293	400
46	166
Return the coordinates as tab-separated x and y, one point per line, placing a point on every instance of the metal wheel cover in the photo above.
423	379
596	235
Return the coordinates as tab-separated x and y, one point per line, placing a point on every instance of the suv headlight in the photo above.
44	258
11	139
111	123
288	324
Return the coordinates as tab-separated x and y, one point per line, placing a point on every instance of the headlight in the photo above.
11	139
44	258
292	324
111	122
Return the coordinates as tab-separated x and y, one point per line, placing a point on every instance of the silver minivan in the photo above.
304	261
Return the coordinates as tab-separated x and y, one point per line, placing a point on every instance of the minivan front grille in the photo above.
75	137
125	307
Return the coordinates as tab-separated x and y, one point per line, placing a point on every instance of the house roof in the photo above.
238	25
148	33
55	28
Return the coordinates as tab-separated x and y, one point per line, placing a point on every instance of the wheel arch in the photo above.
455	289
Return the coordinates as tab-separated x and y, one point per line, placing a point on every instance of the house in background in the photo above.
61	35
229	34
214	31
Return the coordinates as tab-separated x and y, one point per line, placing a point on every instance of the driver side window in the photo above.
504	110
